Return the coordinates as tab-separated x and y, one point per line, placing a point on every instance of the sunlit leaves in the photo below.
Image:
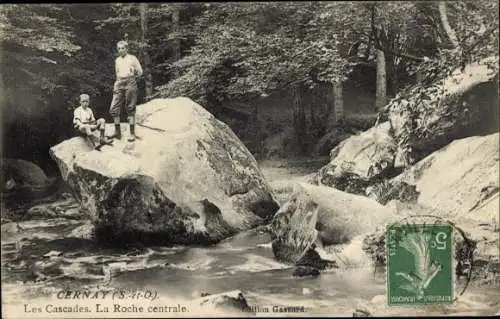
32	26
269	46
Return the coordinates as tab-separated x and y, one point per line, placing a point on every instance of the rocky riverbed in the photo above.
47	248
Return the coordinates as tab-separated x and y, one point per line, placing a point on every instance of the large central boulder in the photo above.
188	179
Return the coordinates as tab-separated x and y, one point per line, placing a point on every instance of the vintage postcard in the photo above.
250	159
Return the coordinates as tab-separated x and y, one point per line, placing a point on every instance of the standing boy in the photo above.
127	69
85	122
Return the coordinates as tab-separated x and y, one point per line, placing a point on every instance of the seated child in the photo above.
85	123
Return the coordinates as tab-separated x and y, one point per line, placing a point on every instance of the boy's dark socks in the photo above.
118	132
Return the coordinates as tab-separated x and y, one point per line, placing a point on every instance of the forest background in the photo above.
290	78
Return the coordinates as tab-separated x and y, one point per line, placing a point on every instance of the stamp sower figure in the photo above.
85	122
127	69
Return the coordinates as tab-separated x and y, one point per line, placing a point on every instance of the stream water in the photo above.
41	257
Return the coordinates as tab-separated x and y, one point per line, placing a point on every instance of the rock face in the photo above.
360	160
322	216
468	105
64	208
418	122
466	194
459	179
187	179
389	190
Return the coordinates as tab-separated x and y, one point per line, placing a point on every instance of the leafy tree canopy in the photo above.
258	48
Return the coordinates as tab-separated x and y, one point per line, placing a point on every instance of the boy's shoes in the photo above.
131	138
105	141
102	141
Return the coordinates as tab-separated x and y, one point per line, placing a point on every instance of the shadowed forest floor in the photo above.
283	174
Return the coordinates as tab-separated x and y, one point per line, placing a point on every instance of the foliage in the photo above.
49	55
230	51
424	106
403	30
159	40
36	27
476	25
54	47
249	50
32	35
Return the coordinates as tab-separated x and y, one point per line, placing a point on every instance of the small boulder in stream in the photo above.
311	259
361	313
230	301
187	180
360	161
22	181
322	216
305	271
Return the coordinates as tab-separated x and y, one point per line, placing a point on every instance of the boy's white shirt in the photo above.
127	66
84	116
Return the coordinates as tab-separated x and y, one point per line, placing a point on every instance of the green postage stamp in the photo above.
419	264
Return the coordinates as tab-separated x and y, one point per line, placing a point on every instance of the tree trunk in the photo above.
394	84
330	118
420	76
311	103
299	121
338	101
175	28
146	58
393	76
446	24
312	114
381	98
